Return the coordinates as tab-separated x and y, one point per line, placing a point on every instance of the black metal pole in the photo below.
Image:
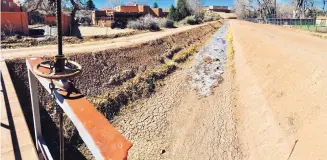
59	28
60	59
61	136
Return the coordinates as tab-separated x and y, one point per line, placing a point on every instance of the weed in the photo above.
142	85
230	50
320	36
166	23
184	54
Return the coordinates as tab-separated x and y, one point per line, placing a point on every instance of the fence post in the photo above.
35	108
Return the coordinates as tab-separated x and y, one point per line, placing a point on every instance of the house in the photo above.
106	17
321	21
13	20
217	8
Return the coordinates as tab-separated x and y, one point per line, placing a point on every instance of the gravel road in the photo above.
281	75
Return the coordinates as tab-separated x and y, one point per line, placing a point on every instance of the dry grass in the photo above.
141	86
320	36
230	50
184	54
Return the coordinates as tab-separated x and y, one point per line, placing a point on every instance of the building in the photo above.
13	20
10	6
65	22
122	14
321	21
217	8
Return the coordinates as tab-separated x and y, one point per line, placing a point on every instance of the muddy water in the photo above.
208	64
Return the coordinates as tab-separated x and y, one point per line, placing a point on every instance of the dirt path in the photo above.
282	79
273	107
92	46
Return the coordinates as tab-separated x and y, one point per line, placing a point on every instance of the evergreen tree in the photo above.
155	5
90	5
172	13
182	10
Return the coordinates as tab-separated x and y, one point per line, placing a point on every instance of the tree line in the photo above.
273	8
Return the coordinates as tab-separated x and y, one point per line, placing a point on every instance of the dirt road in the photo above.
282	79
272	107
92	46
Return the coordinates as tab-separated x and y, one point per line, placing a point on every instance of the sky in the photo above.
167	3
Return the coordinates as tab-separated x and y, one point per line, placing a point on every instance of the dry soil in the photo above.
281	76
272	107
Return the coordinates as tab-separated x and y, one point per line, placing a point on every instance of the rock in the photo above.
207	59
142	68
163	151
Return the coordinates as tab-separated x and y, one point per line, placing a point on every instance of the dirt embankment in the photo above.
99	68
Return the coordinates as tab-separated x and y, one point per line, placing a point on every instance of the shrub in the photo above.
207	18
147	22
166	23
188	20
12	39
211	16
184	54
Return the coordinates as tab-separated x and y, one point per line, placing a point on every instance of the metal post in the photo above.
60	59
59	27
35	108
61	135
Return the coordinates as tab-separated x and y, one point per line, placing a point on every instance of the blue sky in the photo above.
166	3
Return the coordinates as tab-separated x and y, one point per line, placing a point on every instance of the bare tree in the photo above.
285	10
47	6
263	8
241	8
194	6
301	7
